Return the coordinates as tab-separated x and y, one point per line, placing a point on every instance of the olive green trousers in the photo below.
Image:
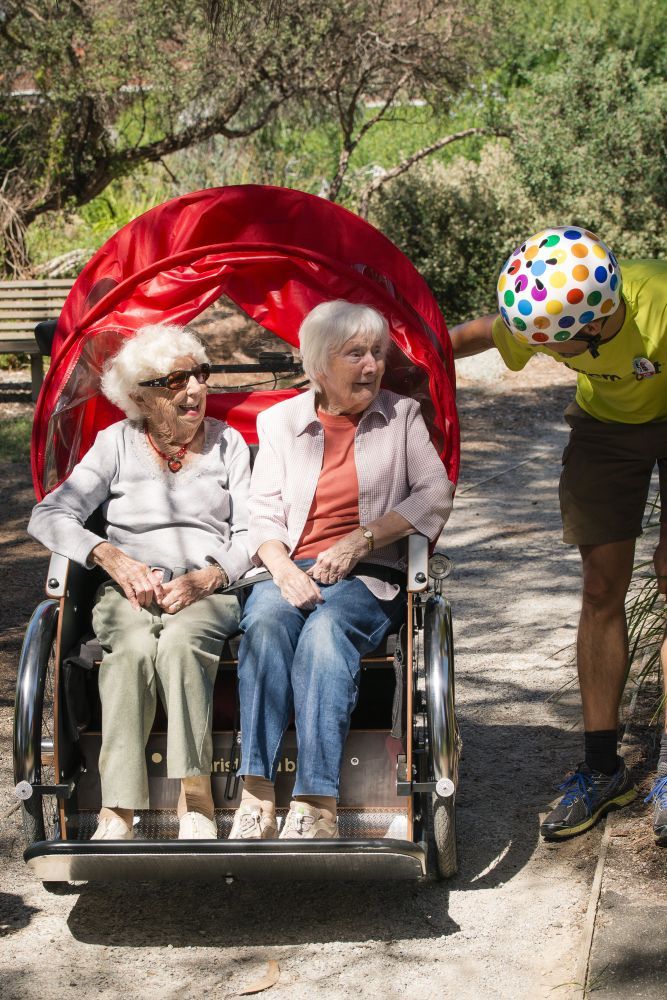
149	653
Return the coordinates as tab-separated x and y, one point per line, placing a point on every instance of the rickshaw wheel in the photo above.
442	836
435	658
41	819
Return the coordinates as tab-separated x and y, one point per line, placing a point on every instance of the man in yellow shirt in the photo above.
563	293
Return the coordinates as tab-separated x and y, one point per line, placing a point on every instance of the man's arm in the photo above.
473	337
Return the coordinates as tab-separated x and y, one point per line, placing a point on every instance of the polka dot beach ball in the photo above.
555	283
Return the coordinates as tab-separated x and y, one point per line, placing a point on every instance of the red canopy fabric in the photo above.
277	253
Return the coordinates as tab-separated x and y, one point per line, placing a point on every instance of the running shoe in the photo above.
588	796
658	796
304	822
251	823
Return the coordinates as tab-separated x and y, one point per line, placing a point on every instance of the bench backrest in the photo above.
23	304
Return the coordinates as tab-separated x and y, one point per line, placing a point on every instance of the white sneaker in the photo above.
304	822
251	823
196	826
113	829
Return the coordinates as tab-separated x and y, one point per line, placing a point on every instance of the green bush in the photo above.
457	225
587	147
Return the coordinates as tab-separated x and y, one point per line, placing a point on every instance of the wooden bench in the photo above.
24	304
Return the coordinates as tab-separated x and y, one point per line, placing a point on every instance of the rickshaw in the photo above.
276	253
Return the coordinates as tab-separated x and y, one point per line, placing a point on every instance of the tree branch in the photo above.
404	165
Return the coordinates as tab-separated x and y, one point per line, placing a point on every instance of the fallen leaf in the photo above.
269	980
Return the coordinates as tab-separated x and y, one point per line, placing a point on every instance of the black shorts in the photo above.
606	475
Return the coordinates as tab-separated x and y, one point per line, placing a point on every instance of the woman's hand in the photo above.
139	584
336	562
191	587
296	587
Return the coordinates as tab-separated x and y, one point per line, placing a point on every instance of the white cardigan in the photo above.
398	469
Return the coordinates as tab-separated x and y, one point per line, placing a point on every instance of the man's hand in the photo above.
191	587
336	562
660	565
139	584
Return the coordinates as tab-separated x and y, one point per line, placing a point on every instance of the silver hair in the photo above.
330	325
151	353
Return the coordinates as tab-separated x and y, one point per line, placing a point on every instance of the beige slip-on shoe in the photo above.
113	829
196	826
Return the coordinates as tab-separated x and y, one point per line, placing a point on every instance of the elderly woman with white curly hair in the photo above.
172	485
344	473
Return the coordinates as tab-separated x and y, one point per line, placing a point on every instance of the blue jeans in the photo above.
306	662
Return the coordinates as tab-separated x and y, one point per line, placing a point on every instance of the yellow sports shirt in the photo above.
608	387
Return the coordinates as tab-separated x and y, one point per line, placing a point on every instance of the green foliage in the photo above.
15	439
590	149
457	225
540	37
587	148
10	362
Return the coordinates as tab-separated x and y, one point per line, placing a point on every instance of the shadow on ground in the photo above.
498	834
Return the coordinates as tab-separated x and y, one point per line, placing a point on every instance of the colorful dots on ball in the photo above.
514	267
539	267
551	241
562	335
541	338
572	234
557	279
601	274
554	307
607	305
521	283
539	292
508	297
502	281
525	307
587	317
566	322
613	282
579	250
531	253
519	323
599	251
542	322
594	298
580	272
575	295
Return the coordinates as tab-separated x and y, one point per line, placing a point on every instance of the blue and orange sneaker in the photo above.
658	796
588	796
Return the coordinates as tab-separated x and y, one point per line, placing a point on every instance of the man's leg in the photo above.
602	641
602	781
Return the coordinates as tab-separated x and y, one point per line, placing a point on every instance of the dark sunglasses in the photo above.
179	379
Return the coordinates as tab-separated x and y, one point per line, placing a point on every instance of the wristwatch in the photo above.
369	536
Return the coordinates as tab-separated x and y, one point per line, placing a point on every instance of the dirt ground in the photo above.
510	924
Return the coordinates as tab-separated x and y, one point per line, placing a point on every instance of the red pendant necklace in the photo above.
174	463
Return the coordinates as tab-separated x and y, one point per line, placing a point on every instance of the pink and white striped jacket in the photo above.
397	467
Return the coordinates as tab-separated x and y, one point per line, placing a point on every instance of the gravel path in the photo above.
509	925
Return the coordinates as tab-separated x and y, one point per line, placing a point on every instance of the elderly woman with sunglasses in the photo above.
173	486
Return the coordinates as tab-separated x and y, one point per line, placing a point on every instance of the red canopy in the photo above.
277	253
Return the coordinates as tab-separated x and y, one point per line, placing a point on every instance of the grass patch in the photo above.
15	439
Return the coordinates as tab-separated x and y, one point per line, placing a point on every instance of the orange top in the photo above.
334	511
